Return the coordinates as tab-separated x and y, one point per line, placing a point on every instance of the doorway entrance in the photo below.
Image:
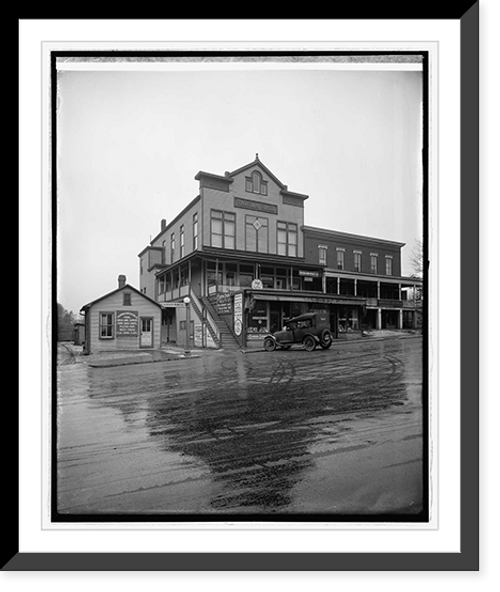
146	337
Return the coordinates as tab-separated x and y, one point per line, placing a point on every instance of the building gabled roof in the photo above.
261	165
119	289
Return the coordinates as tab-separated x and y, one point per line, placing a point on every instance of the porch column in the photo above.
355	287
379	318
338	285
323	282
378	290
399	292
401	318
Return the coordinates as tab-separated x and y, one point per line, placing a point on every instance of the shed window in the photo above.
127	298
107	325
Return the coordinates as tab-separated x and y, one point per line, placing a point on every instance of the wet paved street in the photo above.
289	432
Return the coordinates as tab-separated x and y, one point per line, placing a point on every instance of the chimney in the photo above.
122	280
163	224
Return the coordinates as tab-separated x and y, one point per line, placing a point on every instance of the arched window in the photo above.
256	184
256	179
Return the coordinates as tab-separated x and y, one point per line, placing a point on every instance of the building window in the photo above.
127	299
388	266
287	239
322	255
255	184
106	325
257	234
181	241
142	266
373	263
172	247
184	276
223	229
195	231
340	258
164	251
357	261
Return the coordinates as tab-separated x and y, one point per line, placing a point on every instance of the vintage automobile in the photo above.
311	329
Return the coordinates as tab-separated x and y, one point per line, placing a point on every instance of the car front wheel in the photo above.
309	343
326	339
269	344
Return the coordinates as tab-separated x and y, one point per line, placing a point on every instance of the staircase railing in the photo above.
210	307
210	323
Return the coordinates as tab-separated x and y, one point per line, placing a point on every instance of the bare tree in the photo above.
417	259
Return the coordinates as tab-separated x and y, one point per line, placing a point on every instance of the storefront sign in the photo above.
172	305
238	313
304	273
390	303
198	335
127	323
223	303
257	285
250	204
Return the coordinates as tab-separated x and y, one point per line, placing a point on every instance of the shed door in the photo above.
146	332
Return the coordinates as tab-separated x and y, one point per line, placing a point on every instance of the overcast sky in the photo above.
131	142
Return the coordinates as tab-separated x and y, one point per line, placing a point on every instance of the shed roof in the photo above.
119	289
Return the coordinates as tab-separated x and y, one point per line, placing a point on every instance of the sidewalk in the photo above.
125	358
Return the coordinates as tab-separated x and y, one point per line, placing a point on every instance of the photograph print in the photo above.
239	314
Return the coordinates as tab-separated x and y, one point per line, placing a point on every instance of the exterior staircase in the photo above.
227	338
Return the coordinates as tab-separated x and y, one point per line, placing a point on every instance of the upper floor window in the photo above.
388	265
181	241
195	231
164	251
257	234
373	263
127	299
357	260
172	247
322	255
340	258
223	229
256	184
287	239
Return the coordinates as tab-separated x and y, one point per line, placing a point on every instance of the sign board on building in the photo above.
257	285
250	204
127	323
305	273
238	313
172	305
223	303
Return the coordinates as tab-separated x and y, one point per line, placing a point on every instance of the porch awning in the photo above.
324	299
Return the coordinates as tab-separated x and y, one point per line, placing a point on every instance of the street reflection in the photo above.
248	425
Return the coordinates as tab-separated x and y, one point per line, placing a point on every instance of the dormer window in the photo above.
256	184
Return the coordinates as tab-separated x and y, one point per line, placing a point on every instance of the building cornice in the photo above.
324	232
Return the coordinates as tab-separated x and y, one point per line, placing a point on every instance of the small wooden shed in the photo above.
124	319
79	333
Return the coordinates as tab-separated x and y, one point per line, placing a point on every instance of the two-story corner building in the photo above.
366	270
238	261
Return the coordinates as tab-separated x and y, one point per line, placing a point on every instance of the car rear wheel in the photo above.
269	344
309	343
326	339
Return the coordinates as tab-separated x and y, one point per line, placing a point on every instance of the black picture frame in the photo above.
468	557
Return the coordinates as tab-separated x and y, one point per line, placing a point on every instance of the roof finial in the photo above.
256	156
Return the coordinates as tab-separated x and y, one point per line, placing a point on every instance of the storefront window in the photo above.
258	321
